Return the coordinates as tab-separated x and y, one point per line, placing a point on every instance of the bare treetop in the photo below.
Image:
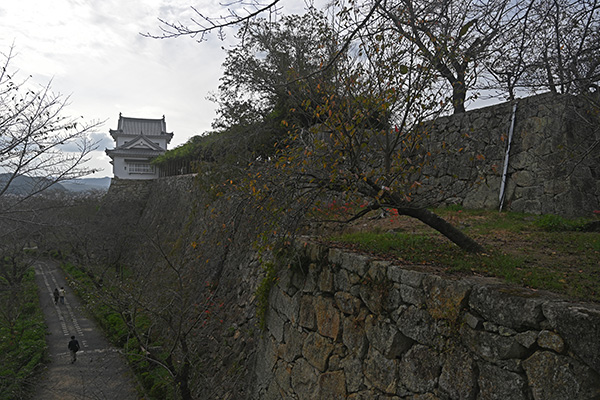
36	139
237	13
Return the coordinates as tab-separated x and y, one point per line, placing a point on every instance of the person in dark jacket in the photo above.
73	348
56	295
62	293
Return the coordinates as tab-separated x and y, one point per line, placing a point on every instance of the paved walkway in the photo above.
100	372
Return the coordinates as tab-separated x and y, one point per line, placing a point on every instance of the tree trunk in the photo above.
429	218
183	376
459	93
442	226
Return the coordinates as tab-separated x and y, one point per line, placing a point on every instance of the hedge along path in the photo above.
100	371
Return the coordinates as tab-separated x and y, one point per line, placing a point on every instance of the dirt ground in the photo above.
100	372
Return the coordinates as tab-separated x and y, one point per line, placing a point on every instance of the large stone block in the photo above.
579	326
354	337
412	278
347	303
527	339
287	306
418	325
356	263
294	341
385	337
336	256
326	280
524	178
274	324
550	340
341	281
316	350
372	297
328	317
307	317
412	295
555	377
499	384
394	273
378	270
312	278
458	378
304	380
353	371
420	369
524	205
445	298
332	386
513	307
381	372
283	376
491	346
393	299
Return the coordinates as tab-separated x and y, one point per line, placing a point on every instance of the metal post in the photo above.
506	156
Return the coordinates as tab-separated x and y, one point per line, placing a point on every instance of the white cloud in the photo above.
93	51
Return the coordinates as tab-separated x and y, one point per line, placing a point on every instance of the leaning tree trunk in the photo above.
442	226
393	200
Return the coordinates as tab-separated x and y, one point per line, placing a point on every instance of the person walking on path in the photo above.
74	348
62	294
101	373
56	295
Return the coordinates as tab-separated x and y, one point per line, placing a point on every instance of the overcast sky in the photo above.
92	50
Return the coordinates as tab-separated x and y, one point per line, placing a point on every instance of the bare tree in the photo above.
39	146
569	45
361	140
554	47
451	37
237	13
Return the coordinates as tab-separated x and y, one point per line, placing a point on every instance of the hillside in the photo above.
86	184
22	184
25	184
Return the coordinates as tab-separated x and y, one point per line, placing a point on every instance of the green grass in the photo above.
421	249
555	223
546	252
22	339
262	293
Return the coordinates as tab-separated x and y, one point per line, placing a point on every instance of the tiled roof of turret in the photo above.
141	126
139	141
139	146
133	152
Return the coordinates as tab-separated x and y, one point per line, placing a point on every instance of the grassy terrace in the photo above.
540	252
22	337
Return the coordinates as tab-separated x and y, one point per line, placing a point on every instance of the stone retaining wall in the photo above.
554	163
127	193
345	327
342	326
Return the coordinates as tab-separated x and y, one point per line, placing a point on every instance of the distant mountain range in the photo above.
85	184
25	184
